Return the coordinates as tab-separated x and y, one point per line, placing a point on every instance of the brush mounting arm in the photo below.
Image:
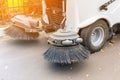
64	38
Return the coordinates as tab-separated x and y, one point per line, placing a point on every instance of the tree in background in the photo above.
3	13
34	7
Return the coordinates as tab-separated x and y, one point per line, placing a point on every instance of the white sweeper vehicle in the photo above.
79	27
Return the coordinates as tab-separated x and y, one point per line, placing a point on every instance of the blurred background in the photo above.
10	8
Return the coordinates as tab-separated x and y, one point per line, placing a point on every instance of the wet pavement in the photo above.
23	60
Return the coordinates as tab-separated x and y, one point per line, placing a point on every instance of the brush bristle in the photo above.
66	55
19	33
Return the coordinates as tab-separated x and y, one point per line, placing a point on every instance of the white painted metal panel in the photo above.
81	13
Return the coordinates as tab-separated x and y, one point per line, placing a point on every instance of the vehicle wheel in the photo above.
95	35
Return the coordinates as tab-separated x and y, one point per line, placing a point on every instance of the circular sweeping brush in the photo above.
19	33
66	55
66	48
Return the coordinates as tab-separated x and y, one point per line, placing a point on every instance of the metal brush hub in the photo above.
64	38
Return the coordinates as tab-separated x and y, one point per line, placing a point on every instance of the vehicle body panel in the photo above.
81	13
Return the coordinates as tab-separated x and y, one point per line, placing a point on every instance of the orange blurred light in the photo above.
14	3
10	8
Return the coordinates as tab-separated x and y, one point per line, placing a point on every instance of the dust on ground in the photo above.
23	60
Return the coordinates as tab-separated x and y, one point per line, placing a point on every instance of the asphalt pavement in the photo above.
23	60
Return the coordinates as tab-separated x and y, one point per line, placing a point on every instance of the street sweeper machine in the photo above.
79	27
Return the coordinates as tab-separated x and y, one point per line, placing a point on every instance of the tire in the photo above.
95	35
